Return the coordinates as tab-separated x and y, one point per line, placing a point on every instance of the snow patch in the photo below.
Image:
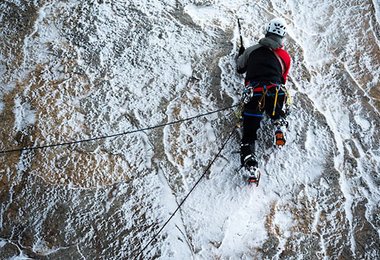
285	221
363	123
376	4
177	244
186	69
24	115
207	15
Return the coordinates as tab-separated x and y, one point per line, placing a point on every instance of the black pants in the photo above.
253	113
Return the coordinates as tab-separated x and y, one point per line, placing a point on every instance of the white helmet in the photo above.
277	26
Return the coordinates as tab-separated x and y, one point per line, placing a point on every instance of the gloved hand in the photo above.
241	50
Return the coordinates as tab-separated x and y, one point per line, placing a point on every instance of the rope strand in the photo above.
140	130
188	194
32	148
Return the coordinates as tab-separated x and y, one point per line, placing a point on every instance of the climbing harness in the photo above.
255	89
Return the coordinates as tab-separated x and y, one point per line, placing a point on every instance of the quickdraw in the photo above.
275	100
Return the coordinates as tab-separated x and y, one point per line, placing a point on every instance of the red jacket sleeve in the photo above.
286	61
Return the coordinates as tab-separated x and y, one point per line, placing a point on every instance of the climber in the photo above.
266	65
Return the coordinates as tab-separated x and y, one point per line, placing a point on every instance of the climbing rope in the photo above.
32	148
141	130
188	194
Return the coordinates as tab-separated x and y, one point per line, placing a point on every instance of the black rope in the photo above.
188	194
32	148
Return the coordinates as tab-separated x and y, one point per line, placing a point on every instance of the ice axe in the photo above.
241	50
241	37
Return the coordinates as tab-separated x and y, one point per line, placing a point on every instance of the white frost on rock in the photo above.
24	115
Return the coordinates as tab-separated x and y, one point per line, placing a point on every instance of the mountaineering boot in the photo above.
280	138
280	126
247	152
250	164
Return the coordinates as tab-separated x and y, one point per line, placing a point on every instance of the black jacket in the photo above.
260	62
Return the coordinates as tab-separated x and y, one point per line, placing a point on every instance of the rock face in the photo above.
98	70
